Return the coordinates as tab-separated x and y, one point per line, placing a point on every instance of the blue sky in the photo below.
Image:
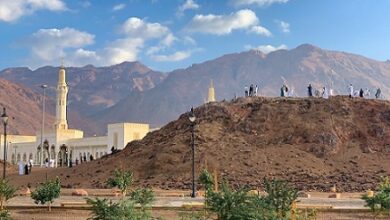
171	34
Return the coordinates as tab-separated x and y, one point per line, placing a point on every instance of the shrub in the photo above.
6	192
380	203
280	196
143	196
5	215
238	204
104	209
122	179
46	192
206	179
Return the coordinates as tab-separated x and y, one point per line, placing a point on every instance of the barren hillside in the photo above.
312	143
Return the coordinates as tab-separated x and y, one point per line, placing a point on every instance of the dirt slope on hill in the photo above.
312	143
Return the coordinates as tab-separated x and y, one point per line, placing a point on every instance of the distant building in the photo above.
62	144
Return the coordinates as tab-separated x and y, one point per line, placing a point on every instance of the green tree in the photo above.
280	196
206	179
46	192
229	204
7	191
102	208
122	179
124	209
143	196
380	203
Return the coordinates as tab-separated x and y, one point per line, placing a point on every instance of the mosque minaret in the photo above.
62	93
211	93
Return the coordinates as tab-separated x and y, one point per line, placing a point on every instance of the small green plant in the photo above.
206	179
380	202
122	179
280	196
104	209
229	204
46	192
5	215
143	196
6	192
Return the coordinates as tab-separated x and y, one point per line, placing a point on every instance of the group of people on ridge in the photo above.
325	93
251	91
361	93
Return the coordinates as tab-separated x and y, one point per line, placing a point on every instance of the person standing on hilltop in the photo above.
246	90
325	93
367	93
350	90
378	93
256	90
310	90
361	93
282	91
251	90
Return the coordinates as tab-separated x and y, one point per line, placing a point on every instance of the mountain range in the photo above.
130	91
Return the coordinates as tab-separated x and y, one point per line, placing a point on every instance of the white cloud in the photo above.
177	56
121	50
189	40
261	30
168	40
50	44
11	10
119	7
256	2
138	28
187	5
223	24
284	26
267	48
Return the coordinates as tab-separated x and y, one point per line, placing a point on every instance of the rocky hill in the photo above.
91	89
312	143
23	106
297	68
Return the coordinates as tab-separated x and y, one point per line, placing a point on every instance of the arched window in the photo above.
18	157
13	158
97	155
24	157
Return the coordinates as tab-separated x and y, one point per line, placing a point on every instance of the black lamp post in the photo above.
192	119
4	117
44	86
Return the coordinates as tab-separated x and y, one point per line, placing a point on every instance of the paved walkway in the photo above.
177	202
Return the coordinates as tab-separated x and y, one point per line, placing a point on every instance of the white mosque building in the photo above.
62	145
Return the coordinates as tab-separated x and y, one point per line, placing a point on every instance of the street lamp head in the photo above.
43	86
4	117
192	116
